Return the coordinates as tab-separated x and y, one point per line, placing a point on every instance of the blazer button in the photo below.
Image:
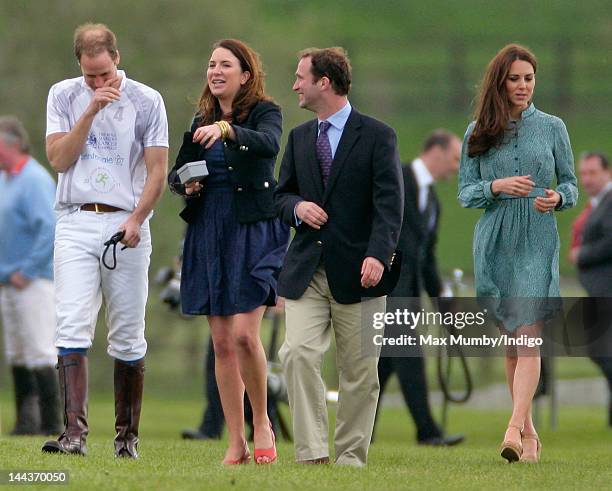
246	149
319	243
225	144
230	168
266	184
242	147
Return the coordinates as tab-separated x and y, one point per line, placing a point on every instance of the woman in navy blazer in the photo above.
234	244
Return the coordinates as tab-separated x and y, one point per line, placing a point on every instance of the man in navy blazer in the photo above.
419	273
341	187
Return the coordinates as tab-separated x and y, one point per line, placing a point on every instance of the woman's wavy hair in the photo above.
493	107
249	94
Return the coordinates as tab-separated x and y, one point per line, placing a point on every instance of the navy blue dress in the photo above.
229	267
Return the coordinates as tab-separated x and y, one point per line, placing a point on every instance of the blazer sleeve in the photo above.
264	139
189	152
387	197
598	250
474	191
287	193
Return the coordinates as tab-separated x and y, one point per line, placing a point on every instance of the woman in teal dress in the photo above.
511	154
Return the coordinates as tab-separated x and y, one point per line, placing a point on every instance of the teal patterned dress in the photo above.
516	247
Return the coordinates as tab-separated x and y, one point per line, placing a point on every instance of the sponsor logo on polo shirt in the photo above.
104	140
102	181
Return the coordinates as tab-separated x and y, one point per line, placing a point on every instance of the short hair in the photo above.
13	131
438	138
92	39
603	160
332	63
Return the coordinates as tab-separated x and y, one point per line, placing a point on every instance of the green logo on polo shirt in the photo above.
102	180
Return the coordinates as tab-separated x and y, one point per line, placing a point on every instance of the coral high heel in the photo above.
245	458
269	453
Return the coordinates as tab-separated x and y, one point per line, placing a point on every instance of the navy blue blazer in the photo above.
250	160
363	199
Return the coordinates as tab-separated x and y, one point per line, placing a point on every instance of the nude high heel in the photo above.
512	451
535	458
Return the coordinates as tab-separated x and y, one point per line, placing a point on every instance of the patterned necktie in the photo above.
324	153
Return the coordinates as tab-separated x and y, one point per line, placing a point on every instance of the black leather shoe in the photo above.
197	435
443	441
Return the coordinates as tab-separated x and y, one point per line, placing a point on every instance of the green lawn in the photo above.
577	456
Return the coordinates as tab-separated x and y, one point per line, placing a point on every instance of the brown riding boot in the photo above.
129	380
73	389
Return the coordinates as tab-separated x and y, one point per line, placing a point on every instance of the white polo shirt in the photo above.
110	168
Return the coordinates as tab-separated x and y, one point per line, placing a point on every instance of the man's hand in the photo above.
105	95
514	186
131	227
19	281
547	203
371	272
311	213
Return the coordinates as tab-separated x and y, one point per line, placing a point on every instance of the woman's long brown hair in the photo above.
253	91
493	108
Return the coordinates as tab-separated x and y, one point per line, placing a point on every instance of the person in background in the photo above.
211	426
235	243
511	154
438	161
27	296
592	249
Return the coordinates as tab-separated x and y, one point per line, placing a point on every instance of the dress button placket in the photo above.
515	147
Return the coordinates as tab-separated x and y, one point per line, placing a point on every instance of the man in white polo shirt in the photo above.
107	137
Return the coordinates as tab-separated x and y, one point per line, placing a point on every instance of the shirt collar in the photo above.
421	173
20	165
597	199
529	111
120	73
338	119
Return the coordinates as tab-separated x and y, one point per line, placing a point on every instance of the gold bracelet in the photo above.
228	129
225	128
220	126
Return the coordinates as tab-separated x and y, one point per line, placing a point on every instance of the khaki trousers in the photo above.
308	334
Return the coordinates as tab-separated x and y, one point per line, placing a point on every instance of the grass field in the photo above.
416	66
576	456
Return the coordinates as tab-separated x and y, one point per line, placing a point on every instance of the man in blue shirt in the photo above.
27	225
